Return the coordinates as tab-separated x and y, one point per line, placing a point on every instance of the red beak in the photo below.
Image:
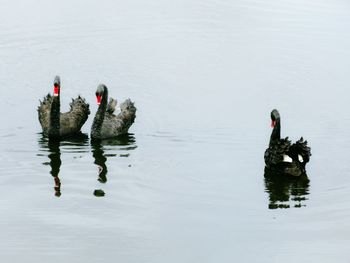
273	123
56	90
99	98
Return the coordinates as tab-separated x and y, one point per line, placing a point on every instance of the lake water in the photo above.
187	184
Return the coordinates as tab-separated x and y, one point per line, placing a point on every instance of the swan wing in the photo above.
44	112
111	105
72	121
115	125
301	151
278	152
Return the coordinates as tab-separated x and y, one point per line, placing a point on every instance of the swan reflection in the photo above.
286	191
55	163
100	161
101	150
54	155
53	148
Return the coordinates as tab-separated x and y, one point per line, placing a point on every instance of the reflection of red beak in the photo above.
99	98
273	123
56	90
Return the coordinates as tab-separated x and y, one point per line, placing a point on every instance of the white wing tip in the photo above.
287	159
300	158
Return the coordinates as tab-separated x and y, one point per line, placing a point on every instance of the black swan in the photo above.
282	156
106	124
56	124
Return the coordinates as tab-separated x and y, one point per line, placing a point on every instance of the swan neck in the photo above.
54	128
276	132
99	117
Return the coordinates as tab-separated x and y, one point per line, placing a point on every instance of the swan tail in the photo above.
44	112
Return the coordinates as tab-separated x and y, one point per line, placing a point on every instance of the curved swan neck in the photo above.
99	117
276	132
54	128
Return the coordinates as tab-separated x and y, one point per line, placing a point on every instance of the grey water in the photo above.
187	183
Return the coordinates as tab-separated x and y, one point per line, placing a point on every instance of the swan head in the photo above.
101	93
275	117
56	86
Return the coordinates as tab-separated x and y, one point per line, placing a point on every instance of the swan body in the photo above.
282	156
56	124
106	124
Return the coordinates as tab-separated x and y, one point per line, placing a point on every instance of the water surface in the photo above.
187	184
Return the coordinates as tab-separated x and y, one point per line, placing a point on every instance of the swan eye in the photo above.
287	159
